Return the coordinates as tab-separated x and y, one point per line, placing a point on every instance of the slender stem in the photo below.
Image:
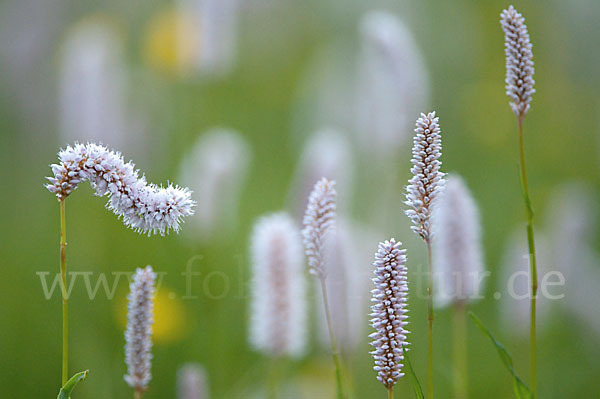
334	347
429	325
391	393
532	263
137	394
274	378
460	350
65	303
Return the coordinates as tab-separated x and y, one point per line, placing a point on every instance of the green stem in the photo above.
460	350
430	325
391	393
532	262
334	347
274	378
65	303
137	394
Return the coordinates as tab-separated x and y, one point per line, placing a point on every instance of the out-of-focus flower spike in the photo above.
93	85
571	222
514	286
138	336
216	23
215	170
458	254
327	153
392	83
278	307
572	217
192	382
348	292
319	225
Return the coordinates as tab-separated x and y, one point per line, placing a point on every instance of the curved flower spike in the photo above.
146	208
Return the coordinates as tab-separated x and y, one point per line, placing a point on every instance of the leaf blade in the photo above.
521	389
65	391
414	380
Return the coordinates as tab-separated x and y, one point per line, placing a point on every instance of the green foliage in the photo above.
65	392
522	391
413	377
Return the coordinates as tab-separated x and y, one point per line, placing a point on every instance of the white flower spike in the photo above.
216	170
392	83
138	336
192	382
319	225
278	307
327	152
146	208
389	320
427	180
458	255
519	61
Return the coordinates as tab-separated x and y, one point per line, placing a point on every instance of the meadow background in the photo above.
294	64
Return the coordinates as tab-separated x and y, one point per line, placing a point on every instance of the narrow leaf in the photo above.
521	389
413	377
65	392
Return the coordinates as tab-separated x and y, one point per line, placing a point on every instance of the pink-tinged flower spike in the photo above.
427	180
208	43
519	61
392	83
519	87
146	208
93	85
389	312
457	265
327	152
192	382
571	220
458	255
319	243
138	336
278	307
349	287
319	225
515	281
421	194
216	170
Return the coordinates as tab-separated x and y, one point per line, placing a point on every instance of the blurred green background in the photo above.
267	95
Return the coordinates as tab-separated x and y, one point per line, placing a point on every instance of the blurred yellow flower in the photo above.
169	316
172	42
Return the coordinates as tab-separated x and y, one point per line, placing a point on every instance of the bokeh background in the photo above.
248	101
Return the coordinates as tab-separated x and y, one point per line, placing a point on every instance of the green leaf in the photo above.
65	392
413	376
521	389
